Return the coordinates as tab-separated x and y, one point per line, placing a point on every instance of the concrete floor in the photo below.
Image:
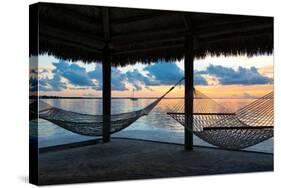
127	159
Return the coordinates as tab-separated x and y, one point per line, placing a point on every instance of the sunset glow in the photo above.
217	77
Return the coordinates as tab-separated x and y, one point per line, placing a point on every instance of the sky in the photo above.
218	77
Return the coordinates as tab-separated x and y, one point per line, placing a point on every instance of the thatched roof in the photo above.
78	32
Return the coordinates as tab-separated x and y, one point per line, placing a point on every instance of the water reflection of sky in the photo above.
155	126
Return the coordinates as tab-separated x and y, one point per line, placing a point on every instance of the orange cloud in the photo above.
236	91
267	71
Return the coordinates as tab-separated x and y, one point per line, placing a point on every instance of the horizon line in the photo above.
76	97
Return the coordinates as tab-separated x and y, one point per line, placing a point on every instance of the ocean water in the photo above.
156	126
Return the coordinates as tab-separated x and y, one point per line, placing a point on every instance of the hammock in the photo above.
214	124
85	124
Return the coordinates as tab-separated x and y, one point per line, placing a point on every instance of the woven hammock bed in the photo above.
212	122
89	125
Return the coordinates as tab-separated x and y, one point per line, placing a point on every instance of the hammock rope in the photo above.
214	124
89	125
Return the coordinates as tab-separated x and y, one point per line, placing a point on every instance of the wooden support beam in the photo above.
147	49
131	37
186	21
106	76
188	92
105	19
76	36
225	36
182	31
106	95
190	27
121	45
79	15
232	29
178	41
68	43
225	39
80	24
226	21
138	18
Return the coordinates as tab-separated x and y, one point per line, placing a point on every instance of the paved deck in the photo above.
126	159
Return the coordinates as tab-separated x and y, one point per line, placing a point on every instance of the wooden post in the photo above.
106	77
106	95
188	92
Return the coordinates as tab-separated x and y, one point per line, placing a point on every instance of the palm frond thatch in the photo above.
76	32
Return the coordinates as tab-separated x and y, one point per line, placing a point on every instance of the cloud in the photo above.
72	73
199	79
138	80
54	84
118	79
75	74
247	96
79	78
170	73
164	73
243	95
229	76
97	76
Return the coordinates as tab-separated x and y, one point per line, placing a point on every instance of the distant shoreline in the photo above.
58	97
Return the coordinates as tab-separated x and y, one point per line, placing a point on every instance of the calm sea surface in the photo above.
155	126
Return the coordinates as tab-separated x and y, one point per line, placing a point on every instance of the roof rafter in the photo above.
106	29
141	18
148	49
181	32
76	36
69	43
76	15
180	43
